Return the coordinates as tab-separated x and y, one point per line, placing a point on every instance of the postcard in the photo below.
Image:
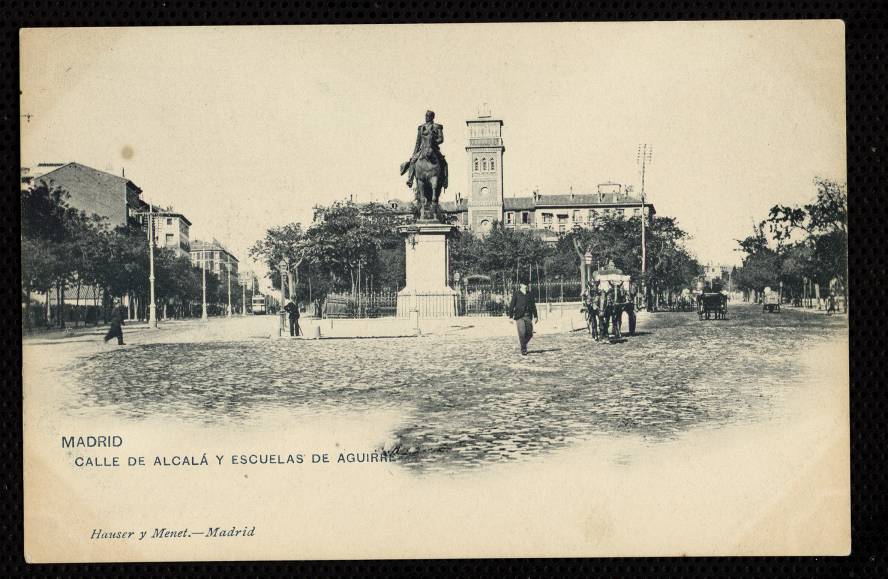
444	291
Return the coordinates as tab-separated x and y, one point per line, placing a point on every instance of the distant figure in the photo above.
590	308
293	312
830	304
116	329
523	310
630	307
605	311
618	302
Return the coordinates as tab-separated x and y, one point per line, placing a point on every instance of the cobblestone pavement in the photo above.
469	401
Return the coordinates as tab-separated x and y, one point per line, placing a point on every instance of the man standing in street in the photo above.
116	329
293	312
523	310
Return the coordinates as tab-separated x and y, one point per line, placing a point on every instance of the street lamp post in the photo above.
244	298
203	261
152	307
284	270
587	259
229	286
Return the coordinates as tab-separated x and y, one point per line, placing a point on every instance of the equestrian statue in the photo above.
427	167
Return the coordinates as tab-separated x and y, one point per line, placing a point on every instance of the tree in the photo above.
761	264
59	243
824	223
283	244
346	242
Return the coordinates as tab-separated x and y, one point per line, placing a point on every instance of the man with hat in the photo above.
523	310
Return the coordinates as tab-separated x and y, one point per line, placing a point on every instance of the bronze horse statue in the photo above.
429	174
428	167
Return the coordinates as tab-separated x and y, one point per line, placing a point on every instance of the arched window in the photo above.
476	163
492	164
484	164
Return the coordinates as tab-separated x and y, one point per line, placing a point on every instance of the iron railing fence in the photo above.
473	299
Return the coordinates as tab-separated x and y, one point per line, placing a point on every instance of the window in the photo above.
576	216
590	217
484	164
509	218
169	221
547	220
492	165
170	241
525	218
621	212
562	222
476	163
636	212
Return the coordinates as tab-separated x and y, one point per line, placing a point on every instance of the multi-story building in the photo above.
113	197
218	259
171	232
551	214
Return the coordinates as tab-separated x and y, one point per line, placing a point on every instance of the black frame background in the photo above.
865	61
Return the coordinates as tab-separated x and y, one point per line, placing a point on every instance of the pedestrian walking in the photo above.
293	313
830	304
116	329
523	310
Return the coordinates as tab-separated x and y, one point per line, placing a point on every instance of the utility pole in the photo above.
644	156
203	255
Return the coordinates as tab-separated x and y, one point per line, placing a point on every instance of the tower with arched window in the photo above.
485	157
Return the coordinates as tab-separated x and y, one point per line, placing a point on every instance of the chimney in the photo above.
571	193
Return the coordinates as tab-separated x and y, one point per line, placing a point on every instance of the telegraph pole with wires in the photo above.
644	156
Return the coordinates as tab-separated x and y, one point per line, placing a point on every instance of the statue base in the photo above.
427	292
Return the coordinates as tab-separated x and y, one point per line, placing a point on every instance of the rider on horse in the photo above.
429	137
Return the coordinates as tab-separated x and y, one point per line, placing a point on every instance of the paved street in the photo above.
469	400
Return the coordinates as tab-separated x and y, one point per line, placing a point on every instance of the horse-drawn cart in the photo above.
712	305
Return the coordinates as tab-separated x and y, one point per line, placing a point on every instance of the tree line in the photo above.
352	248
64	249
803	248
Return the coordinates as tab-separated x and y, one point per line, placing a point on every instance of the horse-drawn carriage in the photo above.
712	305
771	301
711	302
604	305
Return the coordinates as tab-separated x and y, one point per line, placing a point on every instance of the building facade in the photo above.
218	259
550	214
484	154
171	231
113	197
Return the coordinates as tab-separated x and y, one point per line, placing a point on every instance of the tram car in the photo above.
259	305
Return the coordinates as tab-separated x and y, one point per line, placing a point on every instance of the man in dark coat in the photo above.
116	329
523	310
293	311
630	307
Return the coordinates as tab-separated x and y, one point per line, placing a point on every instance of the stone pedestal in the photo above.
427	293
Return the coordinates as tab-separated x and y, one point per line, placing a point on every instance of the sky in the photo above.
244	128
